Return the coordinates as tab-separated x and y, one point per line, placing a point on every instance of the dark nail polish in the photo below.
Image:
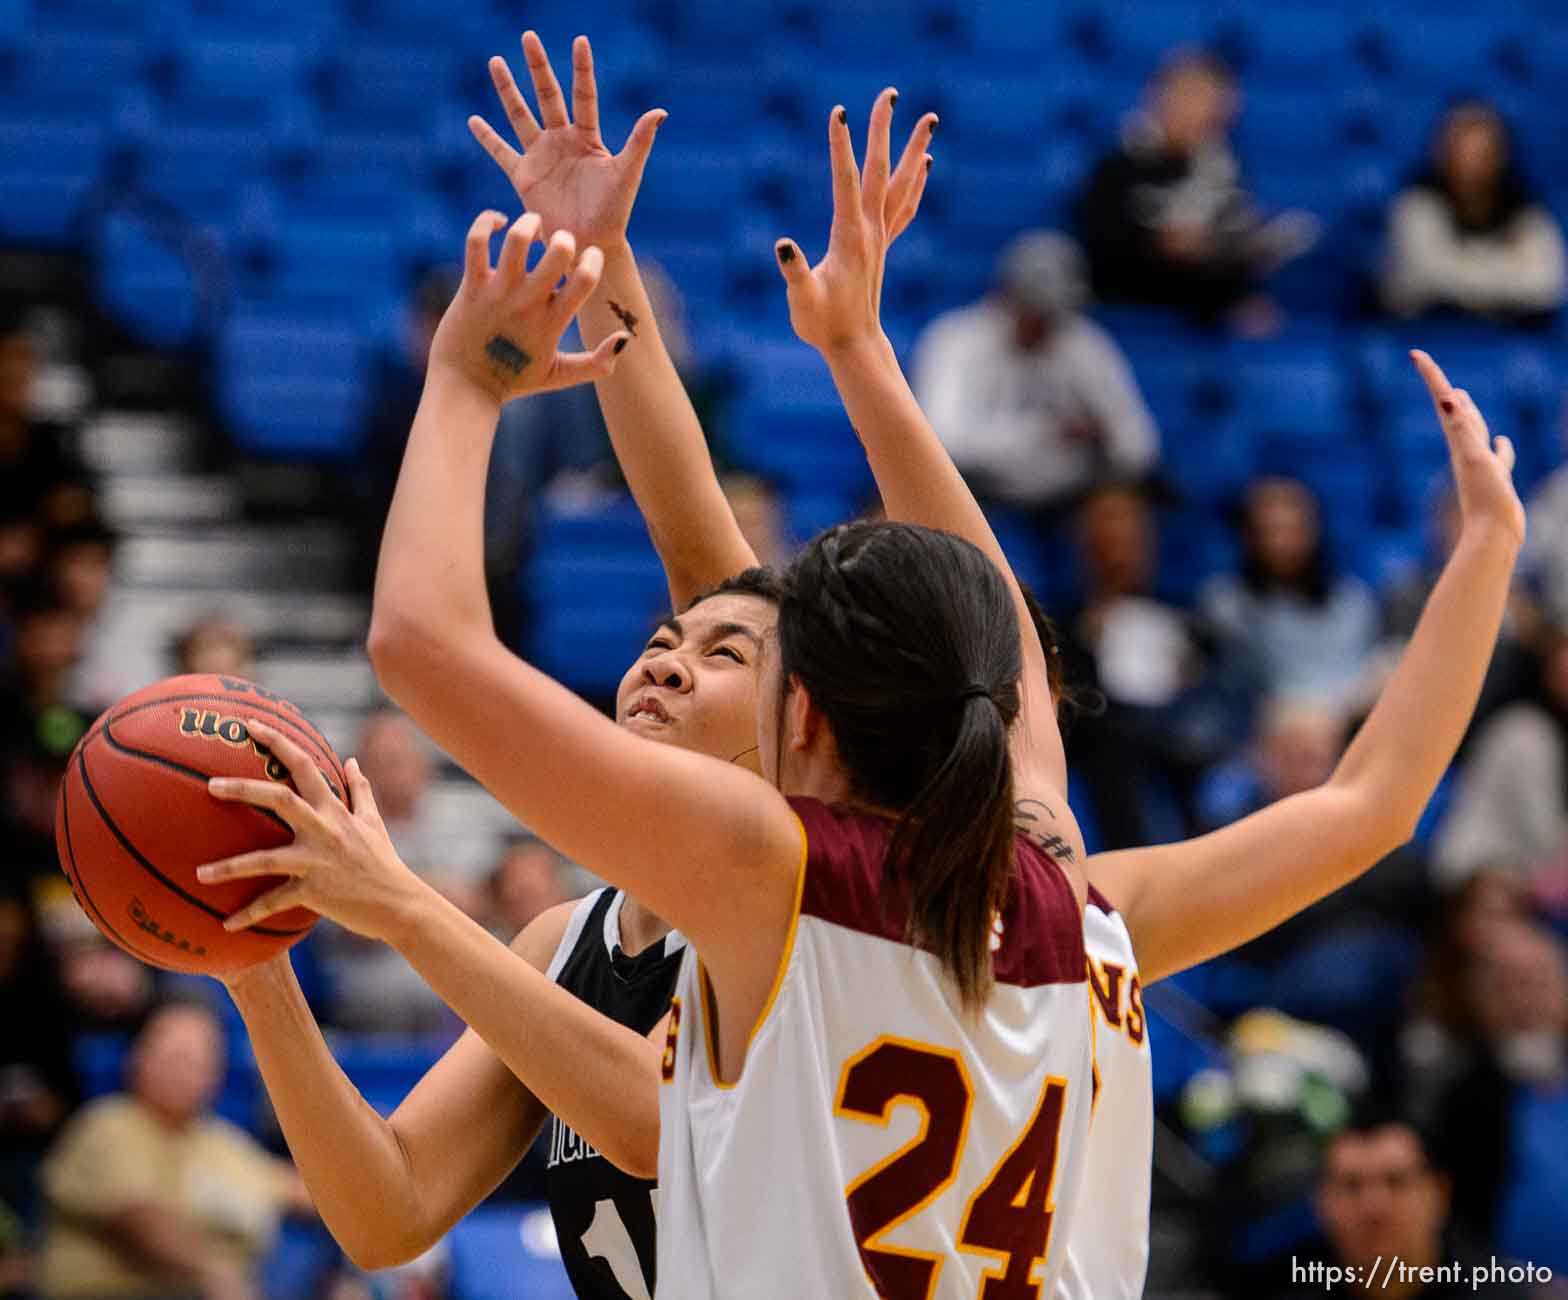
928	163
786	253
843	117
1448	406
620	345
933	126
893	101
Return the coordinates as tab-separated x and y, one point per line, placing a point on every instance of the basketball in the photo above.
134	820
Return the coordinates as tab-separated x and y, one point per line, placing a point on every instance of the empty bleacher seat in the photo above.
503	1251
48	167
287	388
233	79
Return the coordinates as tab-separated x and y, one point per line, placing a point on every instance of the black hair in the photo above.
1513	191
1373	1113
908	641
1315	581
759	580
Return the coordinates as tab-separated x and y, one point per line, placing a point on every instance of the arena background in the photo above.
221	224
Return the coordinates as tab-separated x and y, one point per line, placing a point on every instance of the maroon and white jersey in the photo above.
880	1140
1108	1246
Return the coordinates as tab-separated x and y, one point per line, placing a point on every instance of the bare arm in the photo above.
835	307
566	175
1187	902
388	1189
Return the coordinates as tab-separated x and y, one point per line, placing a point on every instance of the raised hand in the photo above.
839	300
1483	465
503	328
565	173
341	863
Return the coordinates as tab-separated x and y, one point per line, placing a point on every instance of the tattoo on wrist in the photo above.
507	356
625	317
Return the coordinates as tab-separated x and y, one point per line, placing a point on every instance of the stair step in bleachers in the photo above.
313	679
122	442
237	559
136	501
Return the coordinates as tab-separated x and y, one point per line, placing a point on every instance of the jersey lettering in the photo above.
608	1239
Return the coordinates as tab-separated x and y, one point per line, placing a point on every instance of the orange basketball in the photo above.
134	820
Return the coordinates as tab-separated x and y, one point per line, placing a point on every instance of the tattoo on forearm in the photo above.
625	317
507	356
1027	817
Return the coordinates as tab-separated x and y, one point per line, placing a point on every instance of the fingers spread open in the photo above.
269	904
476	251
879	153
361	798
274	796
559	254
547	90
639	144
1505	452
512	265
573	368
910	207
585	93
246	866
312	786
909	177
792	262
512	102
504	156
846	177
582	281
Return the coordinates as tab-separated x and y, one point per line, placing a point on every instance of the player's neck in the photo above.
640	928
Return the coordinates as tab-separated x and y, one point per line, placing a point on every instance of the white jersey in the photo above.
880	1141
1108	1247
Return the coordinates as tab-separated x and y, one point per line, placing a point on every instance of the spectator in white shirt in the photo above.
1468	235
1035	402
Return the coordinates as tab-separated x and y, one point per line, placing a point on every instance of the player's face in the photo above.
695	683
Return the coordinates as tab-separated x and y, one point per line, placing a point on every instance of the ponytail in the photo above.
952	850
908	642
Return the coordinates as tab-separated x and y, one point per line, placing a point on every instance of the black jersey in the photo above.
604	1219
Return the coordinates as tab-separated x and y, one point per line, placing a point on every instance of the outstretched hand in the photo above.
839	301
341	863
502	330
564	172
1483	465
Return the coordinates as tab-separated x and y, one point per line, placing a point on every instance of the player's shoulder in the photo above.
542	938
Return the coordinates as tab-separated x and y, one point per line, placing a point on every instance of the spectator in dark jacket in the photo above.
1165	218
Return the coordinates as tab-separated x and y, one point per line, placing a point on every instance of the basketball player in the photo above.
471	1119
1119	1001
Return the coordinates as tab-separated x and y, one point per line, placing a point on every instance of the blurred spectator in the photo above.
1034	401
37	1081
1469	234
1297	748
43	482
80	564
1504	1124
150	1194
1165	218
1171	706
48	647
1311	629
372	989
1511	806
760	517
1439	1040
1379	1199
529	879
214	645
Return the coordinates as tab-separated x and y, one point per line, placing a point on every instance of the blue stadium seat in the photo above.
1010	38
148	282
194	167
48	167
99	1062
288	389
1139	37
233	80
325	267
372	86
986	202
1298	390
993	117
99	67
589	647
686	190
99	15
385	1067
1286	46
502	1252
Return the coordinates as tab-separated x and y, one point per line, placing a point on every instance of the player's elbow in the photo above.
637	1153
396	646
383	1246
1378	822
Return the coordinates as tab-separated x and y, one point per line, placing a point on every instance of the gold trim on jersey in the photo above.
785	956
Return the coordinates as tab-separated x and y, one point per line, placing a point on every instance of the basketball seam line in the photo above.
147	866
76	878
173	765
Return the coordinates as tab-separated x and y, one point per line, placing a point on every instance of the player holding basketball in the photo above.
1120	1251
391	1187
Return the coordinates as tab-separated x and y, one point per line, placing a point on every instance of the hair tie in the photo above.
972	690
